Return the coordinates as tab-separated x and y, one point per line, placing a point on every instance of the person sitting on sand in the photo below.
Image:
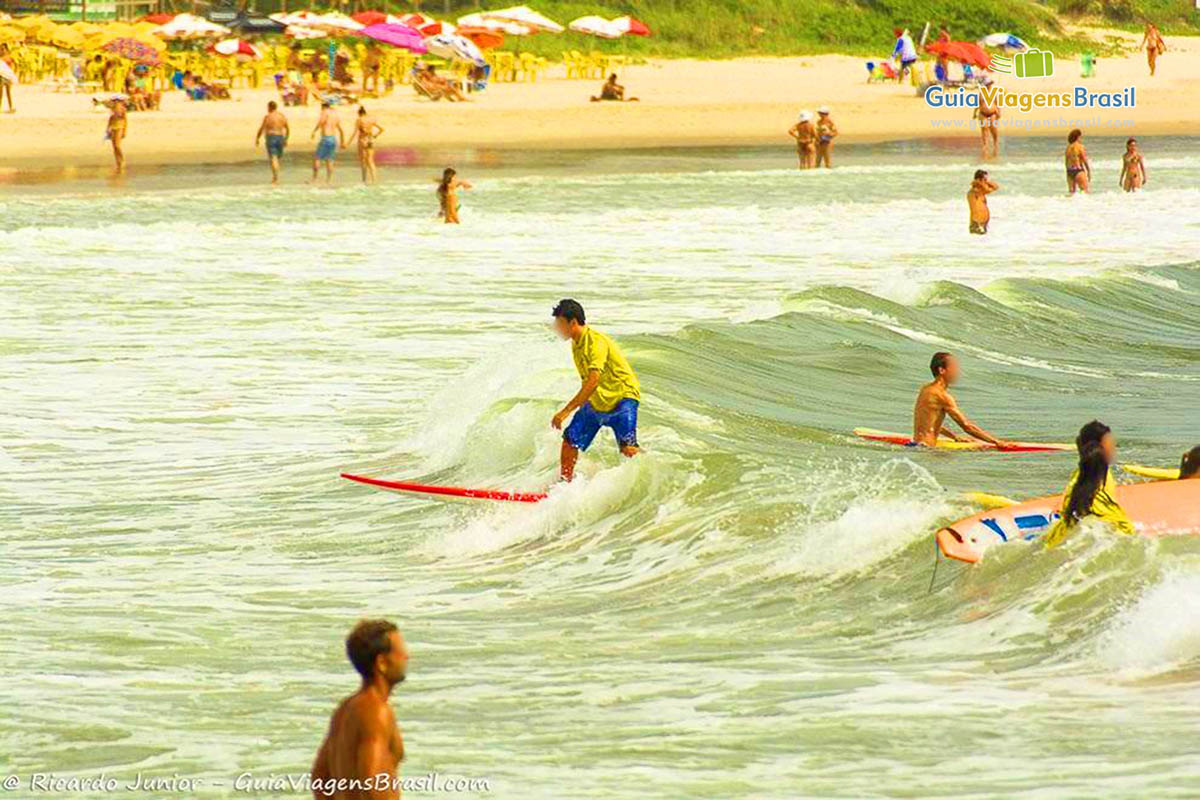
977	202
1091	491
1133	167
1079	170
805	134
448	195
435	87
611	90
1153	42
826	132
934	402
1189	465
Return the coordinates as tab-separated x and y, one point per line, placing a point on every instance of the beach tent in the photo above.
1004	41
525	16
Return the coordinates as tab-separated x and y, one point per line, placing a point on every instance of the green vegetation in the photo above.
729	28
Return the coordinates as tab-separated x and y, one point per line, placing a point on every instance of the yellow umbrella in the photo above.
11	35
67	38
86	28
29	23
120	29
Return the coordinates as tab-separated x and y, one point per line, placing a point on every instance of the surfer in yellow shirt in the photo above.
609	395
1091	492
934	402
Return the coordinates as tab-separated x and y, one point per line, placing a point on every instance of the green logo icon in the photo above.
1030	64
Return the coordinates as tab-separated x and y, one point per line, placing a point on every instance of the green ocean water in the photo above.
190	359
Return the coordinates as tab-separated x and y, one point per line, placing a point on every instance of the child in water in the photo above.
448	195
981	187
1091	491
1133	167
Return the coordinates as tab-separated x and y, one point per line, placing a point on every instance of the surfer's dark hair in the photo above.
938	363
369	639
980	174
569	310
1093	471
1190	464
1091	434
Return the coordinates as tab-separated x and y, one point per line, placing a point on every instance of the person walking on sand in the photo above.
1153	42
934	402
332	137
366	130
826	132
1079	170
609	394
118	125
1133	168
977	202
905	52
6	80
448	195
805	134
275	128
989	128
363	743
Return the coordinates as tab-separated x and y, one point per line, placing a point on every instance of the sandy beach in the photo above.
683	103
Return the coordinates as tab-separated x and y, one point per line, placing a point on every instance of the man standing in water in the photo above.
934	402
275	127
363	745
977	203
609	395
332	137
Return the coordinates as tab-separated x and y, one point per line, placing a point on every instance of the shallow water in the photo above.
744	612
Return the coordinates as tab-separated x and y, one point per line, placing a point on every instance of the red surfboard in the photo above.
947	444
449	491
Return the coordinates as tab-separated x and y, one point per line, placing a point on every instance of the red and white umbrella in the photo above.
188	26
525	16
428	26
240	48
478	22
594	25
370	17
631	27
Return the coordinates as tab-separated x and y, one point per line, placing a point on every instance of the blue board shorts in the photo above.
327	148
588	422
275	144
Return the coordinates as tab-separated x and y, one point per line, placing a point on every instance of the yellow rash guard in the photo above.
596	351
1104	507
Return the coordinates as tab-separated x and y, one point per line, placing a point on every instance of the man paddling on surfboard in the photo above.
934	402
609	395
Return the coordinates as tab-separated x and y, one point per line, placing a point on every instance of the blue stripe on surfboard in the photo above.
991	523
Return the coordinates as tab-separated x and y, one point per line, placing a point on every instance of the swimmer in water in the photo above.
1133	167
1189	465
934	402
1079	170
366	130
1091	491
977	202
448	195
826	132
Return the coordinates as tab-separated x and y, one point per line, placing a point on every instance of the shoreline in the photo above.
684	103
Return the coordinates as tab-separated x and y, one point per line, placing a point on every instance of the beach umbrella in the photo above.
452	45
301	33
158	19
11	34
133	50
239	48
244	22
483	38
1004	41
397	36
594	25
526	16
428	26
963	52
631	27
188	26
68	38
370	17
478	22
336	22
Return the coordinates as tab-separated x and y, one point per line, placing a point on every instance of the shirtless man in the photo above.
366	129
332	137
935	401
977	202
611	90
805	134
275	127
363	745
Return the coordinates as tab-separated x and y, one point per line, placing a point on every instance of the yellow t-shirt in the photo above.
596	351
1104	507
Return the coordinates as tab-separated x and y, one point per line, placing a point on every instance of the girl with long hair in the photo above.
1091	492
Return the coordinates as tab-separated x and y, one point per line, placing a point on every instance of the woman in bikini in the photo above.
1079	171
1133	167
366	130
448	195
1154	44
115	132
989	126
